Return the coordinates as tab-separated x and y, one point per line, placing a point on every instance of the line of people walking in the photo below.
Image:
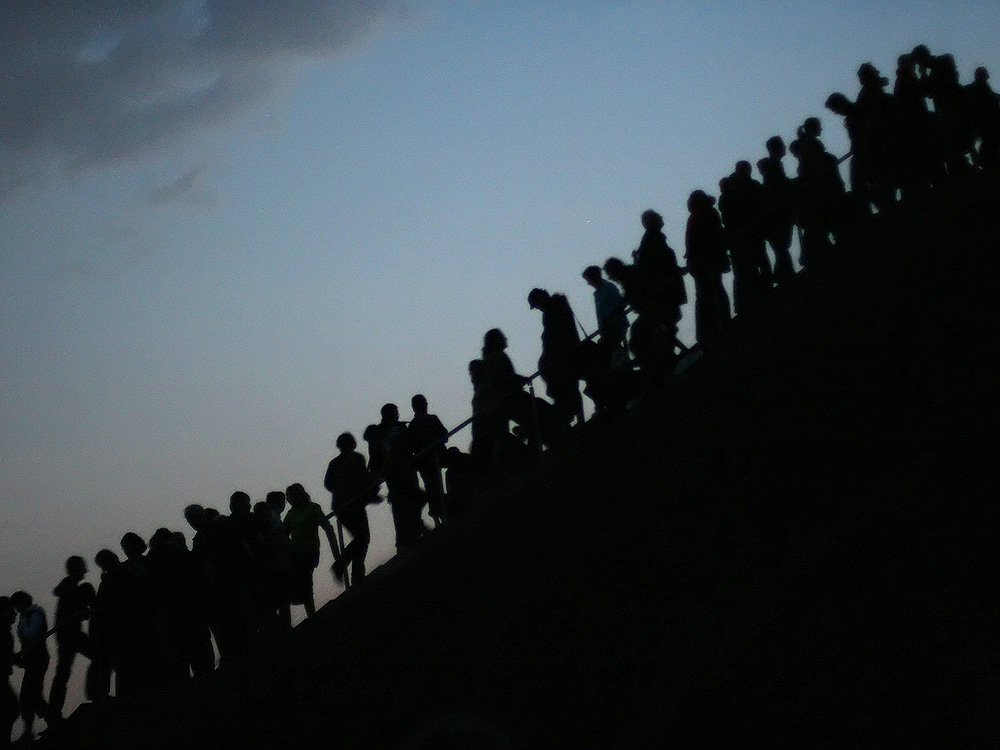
165	611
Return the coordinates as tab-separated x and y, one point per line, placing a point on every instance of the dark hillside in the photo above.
793	545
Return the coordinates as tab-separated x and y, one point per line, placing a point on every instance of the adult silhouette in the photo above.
32	627
9	707
657	262
395	465
351	486
428	437
557	363
74	600
984	111
706	258
741	206
500	395
820	191
777	211
303	522
609	308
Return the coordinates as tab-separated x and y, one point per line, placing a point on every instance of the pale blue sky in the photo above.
200	302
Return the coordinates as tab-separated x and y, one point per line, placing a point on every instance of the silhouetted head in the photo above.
475	371
494	341
211	514
743	169
795	148
133	546
699	201
7	612
262	511
239	503
811	127
592	275
651	220
389	413
419	404
370	434
106	560
775	147
944	66
868	75
76	567
723	184
982	75
538	299
194	514
275	500
614	268
905	65
21	600
296	495
161	537
838	104
178	538
921	54
346	442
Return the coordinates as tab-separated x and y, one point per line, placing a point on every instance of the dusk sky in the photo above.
232	229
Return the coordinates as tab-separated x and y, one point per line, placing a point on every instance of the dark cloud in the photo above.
89	82
187	188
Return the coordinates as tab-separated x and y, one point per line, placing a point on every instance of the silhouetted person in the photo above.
820	193
460	477
303	522
350	485
741	206
873	143
106	629
139	667
171	579
74	600
9	707
604	364
650	335
202	653
984	110
427	435
706	262
912	147
497	388
277	562
777	214
395	466
656	261
609	308
557	364
954	124
32	627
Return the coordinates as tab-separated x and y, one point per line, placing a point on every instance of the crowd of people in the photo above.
167	611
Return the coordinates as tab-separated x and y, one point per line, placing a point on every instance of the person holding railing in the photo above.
393	463
351	486
557	365
428	438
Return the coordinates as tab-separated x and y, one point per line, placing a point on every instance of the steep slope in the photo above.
791	544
